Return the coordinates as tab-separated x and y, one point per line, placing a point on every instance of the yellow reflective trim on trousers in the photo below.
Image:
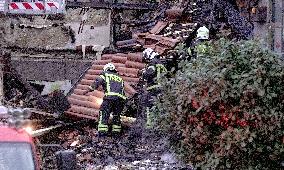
102	127
153	87
100	118
115	94
116	128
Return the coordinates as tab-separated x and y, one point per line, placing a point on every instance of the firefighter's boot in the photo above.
116	131
102	127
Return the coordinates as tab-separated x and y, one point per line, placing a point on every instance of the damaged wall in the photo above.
51	37
50	69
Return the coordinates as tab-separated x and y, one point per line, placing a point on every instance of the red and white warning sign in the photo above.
33	6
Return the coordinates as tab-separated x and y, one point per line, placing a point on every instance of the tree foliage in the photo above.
225	108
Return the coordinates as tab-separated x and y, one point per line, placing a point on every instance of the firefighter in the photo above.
152	75
198	47
113	101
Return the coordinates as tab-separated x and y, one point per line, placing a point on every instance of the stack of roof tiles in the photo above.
166	34
87	105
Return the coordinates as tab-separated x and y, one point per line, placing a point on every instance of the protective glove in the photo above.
90	88
141	72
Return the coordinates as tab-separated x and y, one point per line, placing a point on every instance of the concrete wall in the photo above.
50	70
53	37
261	30
272	31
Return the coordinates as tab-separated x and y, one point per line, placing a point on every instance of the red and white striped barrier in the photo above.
36	6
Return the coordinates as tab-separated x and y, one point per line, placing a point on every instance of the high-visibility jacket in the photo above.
112	84
153	73
197	49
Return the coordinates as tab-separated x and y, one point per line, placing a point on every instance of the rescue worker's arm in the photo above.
149	72
99	81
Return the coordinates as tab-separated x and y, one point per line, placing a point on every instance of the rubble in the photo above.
171	27
148	152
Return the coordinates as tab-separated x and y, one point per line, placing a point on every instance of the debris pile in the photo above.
163	37
149	152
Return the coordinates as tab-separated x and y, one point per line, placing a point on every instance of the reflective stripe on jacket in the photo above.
153	74
113	84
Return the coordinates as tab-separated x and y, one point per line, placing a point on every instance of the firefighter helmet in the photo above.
149	54
202	33
109	67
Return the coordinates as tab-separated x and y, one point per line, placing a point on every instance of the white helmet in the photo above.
109	67
202	33
149	54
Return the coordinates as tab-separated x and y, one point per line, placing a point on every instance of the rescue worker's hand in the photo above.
90	88
140	72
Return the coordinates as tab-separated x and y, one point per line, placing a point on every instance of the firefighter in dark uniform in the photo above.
113	101
152	75
198	47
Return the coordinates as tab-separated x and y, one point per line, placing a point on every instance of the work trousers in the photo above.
150	99
112	105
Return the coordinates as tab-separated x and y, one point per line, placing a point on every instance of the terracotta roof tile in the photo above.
86	82
84	110
87	104
169	41
158	27
82	87
161	49
97	67
79	97
130	71
91	77
107	56
132	64
121	54
94	72
126	42
119	59
80	115
135	57
150	46
79	91
141	35
129	89
174	13
97	93
154	37
129	79
101	62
